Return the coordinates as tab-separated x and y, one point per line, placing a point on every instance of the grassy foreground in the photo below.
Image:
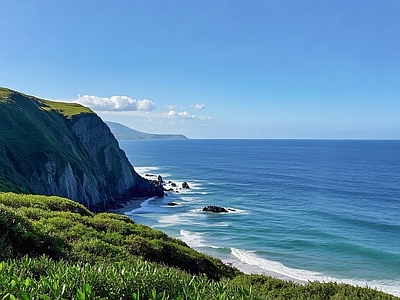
54	248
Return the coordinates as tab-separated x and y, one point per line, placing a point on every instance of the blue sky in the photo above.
213	69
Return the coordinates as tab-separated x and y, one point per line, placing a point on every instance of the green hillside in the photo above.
54	248
22	128
63	149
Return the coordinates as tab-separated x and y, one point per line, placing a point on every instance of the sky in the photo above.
213	68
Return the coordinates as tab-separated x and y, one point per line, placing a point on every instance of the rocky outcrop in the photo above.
66	150
185	185
215	209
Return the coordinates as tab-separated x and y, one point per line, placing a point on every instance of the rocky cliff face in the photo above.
64	149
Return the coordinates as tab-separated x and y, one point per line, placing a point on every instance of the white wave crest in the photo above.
145	170
145	207
236	211
194	239
181	218
277	269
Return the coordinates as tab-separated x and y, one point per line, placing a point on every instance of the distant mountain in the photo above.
122	132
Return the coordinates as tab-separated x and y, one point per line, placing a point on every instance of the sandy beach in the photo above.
128	206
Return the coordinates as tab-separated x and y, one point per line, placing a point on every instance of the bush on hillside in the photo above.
63	228
19	237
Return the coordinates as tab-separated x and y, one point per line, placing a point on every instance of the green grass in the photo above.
54	248
30	133
68	110
42	278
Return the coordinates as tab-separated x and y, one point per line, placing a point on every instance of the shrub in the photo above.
19	237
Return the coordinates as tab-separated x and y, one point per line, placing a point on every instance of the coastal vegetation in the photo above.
55	248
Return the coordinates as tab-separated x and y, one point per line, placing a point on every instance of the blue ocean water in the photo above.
322	210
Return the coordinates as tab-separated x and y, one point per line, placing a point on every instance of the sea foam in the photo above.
194	239
145	207
256	264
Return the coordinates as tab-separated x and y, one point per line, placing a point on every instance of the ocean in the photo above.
326	210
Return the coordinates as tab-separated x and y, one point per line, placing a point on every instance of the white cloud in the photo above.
178	114
115	103
199	106
170	107
183	115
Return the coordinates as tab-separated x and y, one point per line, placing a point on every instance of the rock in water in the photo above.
185	185
215	209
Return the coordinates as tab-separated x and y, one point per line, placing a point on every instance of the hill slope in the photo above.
63	149
108	256
122	132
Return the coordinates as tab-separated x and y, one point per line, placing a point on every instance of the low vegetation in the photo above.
54	248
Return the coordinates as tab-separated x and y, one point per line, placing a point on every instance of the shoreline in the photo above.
128	206
244	267
252	269
134	204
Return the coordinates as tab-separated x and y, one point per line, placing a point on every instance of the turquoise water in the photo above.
305	209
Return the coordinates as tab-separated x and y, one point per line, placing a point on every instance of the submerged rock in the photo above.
172	204
215	209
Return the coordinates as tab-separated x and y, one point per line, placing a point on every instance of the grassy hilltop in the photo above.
22	125
54	248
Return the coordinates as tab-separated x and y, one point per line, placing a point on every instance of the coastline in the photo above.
128	206
248	268
243	267
252	269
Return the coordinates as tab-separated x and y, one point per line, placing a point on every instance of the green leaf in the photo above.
13	283
154	294
80	295
87	289
28	282
24	296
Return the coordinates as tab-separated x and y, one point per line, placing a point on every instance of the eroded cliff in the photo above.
64	149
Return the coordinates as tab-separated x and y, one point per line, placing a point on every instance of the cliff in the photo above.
63	149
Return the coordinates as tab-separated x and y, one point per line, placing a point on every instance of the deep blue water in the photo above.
306	209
